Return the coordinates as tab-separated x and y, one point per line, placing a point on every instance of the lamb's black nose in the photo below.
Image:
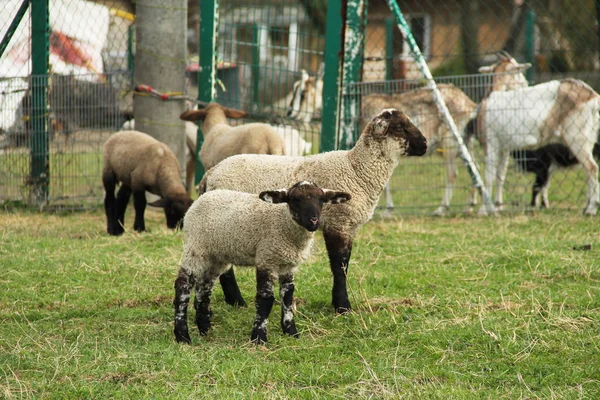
314	220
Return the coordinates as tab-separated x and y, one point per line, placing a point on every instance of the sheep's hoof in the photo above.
290	329
203	324
259	336
182	336
115	232
441	211
345	309
236	302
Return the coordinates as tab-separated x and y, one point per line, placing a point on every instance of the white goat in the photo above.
528	117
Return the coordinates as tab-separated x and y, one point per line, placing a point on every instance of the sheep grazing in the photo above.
541	161
222	140
191	131
419	105
557	111
141	163
362	171
226	227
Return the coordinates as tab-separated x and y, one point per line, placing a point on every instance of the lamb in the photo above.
191	131
541	161
141	163
222	140
226	227
362	171
557	111
419	105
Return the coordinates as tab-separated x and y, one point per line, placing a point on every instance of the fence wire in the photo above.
264	49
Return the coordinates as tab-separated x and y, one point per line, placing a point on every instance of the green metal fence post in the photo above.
354	45
331	78
207	71
13	26
40	50
530	45
130	50
255	68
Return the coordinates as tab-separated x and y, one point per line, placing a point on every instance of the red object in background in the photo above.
65	47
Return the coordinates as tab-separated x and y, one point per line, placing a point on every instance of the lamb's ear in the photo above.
488	69
333	197
162	203
235	114
193	115
274	196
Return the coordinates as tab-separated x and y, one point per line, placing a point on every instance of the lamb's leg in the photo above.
500	178
109	181
202	303
591	168
389	202
139	203
286	294
264	304
541	181
231	290
190	173
339	248
491	160
123	196
451	173
183	286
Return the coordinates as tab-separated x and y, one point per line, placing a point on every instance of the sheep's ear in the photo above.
488	69
235	114
333	197
162	203
274	196
193	115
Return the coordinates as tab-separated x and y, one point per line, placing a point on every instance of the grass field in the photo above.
459	307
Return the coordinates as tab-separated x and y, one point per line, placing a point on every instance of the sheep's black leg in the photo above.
286	294
339	248
139	204
541	180
109	182
202	304
264	304
231	290
183	286
123	196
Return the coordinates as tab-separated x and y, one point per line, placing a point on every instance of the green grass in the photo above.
458	307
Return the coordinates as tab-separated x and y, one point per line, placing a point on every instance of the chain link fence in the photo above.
269	52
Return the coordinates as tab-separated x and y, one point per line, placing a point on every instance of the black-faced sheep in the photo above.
226	227
222	140
141	163
540	161
362	171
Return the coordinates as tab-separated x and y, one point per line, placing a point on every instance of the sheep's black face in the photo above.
175	209
400	127
305	201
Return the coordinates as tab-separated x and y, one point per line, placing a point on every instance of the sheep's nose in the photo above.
314	220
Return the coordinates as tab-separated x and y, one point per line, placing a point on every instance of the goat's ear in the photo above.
235	114
333	197
274	196
487	69
162	203
193	115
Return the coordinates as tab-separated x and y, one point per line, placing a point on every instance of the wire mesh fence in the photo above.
270	63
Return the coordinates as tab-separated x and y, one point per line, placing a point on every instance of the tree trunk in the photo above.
470	27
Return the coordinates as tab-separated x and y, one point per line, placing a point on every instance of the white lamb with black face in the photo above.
272	231
361	171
